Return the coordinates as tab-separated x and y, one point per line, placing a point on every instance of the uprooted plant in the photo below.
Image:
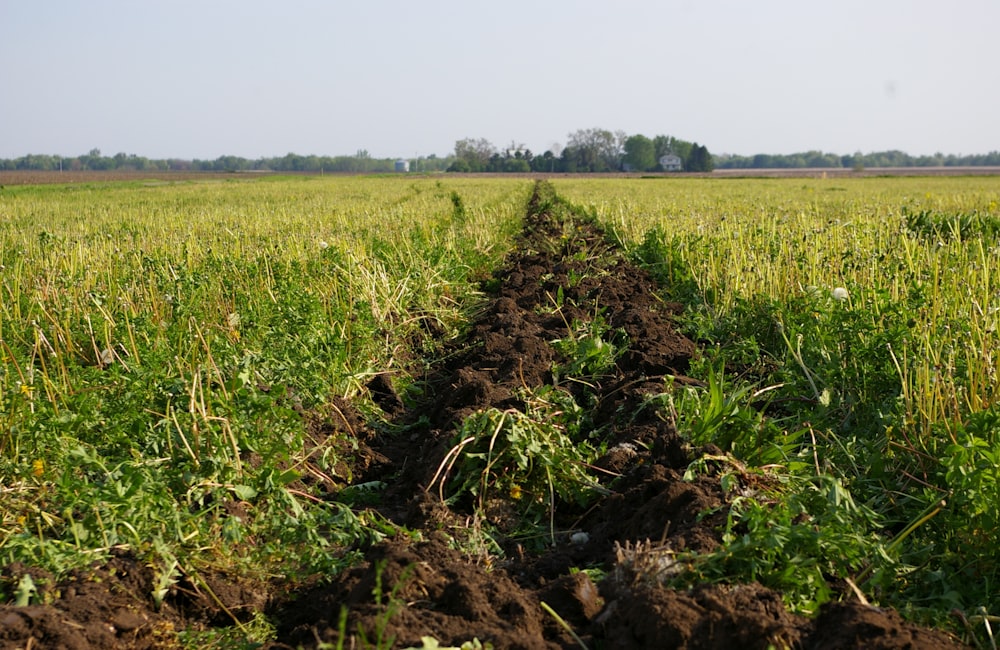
537	458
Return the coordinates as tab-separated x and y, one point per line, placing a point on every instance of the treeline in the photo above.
587	151
855	161
360	163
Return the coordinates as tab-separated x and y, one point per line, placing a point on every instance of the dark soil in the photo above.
410	587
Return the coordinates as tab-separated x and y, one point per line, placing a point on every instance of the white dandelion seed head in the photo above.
840	293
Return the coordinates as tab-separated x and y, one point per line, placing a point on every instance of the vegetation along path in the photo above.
533	487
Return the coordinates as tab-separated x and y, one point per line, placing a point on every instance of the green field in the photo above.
139	320
166	347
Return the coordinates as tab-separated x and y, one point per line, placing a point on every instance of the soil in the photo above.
413	586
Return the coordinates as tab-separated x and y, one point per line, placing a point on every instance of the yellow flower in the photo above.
515	492
26	389
38	467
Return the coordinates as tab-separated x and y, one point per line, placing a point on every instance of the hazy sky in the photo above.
203	78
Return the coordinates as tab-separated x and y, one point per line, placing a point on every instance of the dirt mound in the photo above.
549	310
407	590
113	606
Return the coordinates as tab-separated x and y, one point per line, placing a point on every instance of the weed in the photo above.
794	542
586	351
159	346
937	226
536	458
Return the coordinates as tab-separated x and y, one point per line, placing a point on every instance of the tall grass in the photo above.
781	239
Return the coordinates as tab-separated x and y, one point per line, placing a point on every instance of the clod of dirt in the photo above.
856	625
405	591
104	607
746	616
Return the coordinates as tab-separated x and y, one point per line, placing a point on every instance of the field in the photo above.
587	412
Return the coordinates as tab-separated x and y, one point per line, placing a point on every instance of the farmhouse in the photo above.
670	162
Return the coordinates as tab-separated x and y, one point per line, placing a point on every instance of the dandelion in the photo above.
323	245
37	467
840	293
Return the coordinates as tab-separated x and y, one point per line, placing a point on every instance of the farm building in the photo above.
670	162
402	165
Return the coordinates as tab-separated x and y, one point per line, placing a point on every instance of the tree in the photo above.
547	162
640	154
698	159
516	165
662	145
593	150
475	153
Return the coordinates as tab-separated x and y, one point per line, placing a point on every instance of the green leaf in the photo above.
244	492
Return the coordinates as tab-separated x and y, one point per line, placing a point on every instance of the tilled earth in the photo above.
564	271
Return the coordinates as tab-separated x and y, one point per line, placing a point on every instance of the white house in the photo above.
670	162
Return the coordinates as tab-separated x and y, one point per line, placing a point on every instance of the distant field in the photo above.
35	177
869	171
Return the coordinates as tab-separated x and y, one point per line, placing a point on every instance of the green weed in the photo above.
795	541
537	459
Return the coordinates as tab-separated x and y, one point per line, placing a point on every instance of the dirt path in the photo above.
567	284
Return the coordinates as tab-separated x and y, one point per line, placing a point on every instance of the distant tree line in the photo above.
586	150
857	160
359	163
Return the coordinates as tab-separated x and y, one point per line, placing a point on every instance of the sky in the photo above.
254	78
